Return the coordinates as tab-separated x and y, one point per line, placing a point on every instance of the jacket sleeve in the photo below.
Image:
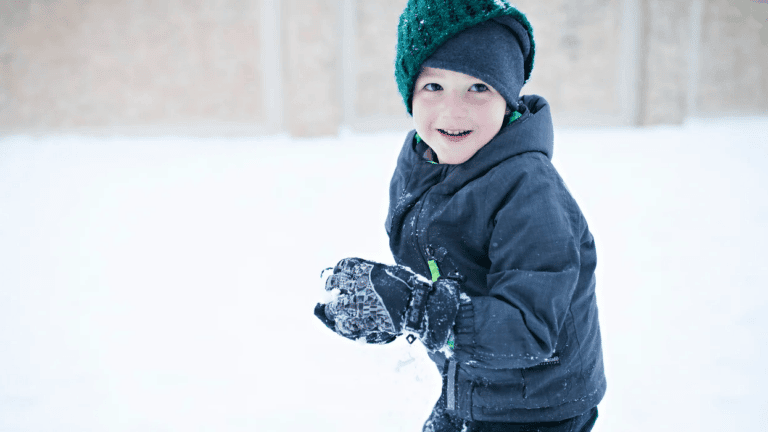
534	255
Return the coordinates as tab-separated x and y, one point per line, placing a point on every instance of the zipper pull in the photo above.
433	269
430	252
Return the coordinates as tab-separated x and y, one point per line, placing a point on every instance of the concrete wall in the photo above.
665	66
312	61
74	65
733	59
578	57
308	67
377	102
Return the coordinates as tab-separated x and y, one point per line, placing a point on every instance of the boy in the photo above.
508	313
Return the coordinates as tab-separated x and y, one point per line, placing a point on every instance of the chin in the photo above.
454	159
455	156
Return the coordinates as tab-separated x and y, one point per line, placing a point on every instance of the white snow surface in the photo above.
168	284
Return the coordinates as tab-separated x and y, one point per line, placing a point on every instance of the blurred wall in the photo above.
733	64
224	67
74	64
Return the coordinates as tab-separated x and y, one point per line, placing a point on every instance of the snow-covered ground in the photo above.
168	284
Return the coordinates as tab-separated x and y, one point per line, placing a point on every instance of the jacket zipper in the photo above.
426	251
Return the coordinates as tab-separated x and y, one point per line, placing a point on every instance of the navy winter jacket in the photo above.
527	346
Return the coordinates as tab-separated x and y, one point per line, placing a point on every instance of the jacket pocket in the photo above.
500	394
543	385
556	382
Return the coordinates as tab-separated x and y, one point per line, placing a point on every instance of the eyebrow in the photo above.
431	73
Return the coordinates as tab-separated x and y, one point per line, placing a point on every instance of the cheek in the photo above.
496	113
490	111
421	114
493	117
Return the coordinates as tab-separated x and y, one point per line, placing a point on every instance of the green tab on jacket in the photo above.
434	270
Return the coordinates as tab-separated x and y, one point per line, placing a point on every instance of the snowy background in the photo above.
168	284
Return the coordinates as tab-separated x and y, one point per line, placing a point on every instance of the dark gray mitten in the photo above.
379	302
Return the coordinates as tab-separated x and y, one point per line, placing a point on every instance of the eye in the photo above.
432	87
479	88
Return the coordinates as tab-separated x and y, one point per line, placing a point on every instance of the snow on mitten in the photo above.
379	302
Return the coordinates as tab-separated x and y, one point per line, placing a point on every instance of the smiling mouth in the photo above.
454	133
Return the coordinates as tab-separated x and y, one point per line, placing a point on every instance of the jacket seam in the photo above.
472	405
496	408
490	356
578	341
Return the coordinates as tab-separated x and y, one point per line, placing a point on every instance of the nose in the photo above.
455	104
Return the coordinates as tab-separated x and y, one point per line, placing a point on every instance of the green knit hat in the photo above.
426	24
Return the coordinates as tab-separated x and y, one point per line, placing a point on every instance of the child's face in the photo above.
455	114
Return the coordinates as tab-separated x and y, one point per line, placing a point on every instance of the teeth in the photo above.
454	132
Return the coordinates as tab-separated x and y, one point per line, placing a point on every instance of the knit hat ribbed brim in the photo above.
493	51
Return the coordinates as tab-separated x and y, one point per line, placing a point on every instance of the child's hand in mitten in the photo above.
379	302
